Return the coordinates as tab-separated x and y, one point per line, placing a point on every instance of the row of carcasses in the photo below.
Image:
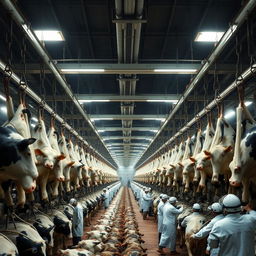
29	156
115	234
44	234
220	154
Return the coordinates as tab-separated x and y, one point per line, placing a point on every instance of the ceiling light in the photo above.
153	130
4	109
2	97
207	36
89	101
176	70
165	101
248	103
82	70
152	118
102	118
229	114
101	130
49	35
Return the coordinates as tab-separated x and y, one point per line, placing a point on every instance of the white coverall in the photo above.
160	216
204	232
234	235
168	237
146	202
78	221
142	193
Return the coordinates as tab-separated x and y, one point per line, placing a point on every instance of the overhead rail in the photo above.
21	21
37	99
244	76
234	25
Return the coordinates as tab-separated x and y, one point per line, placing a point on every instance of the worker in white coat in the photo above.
105	198
77	221
168	236
217	211
196	211
163	200
142	192
234	234
146	203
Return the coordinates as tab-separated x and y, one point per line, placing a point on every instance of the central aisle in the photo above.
149	229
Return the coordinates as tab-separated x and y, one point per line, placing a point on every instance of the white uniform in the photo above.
160	216
146	202
142	193
78	221
168	237
234	235
204	232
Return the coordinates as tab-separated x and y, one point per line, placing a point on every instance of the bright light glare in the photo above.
82	70
33	125
207	36
2	97
248	103
176	70
4	109
49	35
34	119
165	101
101	130
153	131
229	114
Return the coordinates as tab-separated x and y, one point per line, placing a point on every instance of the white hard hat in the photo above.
173	199
216	207
161	196
196	206
165	197
231	203
72	201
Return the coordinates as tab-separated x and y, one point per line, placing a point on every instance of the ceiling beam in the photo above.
130	69
117	117
115	129
123	138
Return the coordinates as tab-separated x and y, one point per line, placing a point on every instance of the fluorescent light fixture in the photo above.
248	103
176	70
151	118
153	131
102	118
101	130
49	35
82	70
89	101
2	97
34	119
207	36
229	114
165	101
4	109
